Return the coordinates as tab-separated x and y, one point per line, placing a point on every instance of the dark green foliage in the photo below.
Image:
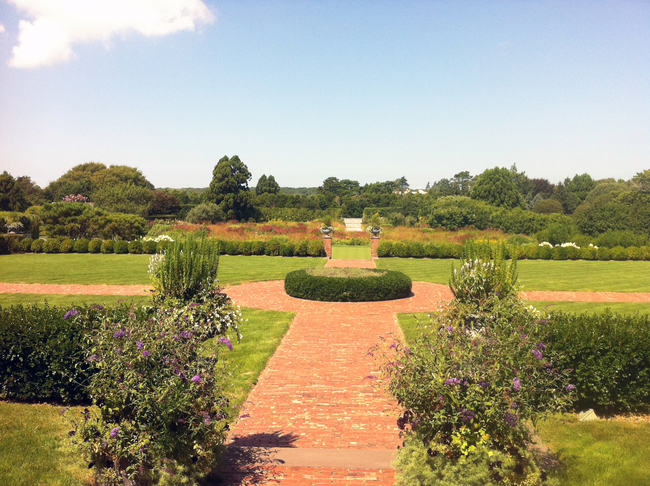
455	212
301	248
81	246
603	253
384	249
287	249
207	212
618	253
37	246
124	198
258	248
400	250
267	185
316	248
245	248
231	248
149	247
135	247
67	245
161	246
52	245
431	250
390	285
415	249
610	356
273	245
95	246
4	245
121	247
496	186
41	354
12	197
108	246
625	238
229	188
26	244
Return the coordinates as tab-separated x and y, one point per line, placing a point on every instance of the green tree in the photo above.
33	193
77	180
119	174
12	197
229	188
164	203
548	206
496	186
267	185
641	181
124	198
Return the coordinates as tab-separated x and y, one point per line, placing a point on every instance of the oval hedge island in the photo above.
347	284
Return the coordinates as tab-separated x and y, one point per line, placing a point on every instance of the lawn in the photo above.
68	300
32	448
350	252
74	268
580	275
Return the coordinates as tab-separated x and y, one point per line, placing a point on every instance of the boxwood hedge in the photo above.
388	286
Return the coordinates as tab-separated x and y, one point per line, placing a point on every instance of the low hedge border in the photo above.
389	286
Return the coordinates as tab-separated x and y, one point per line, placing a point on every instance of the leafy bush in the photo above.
149	247
230	247
415	249
67	245
42	354
52	245
4	245
121	247
634	253
610	356
316	248
108	247
187	269
135	247
383	285
384	249
287	249
618	253
430	250
258	248
603	253
273	245
588	252
400	250
301	248
245	248
159	392
205	212
81	246
37	246
26	244
95	246
625	238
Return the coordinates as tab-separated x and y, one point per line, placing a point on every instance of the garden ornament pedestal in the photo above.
374	244
327	243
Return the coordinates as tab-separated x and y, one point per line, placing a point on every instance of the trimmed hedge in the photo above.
42	355
610	356
389	286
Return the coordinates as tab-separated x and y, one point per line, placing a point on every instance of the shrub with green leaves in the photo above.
67	245
149	247
186	270
121	247
95	245
81	246
477	374
108	247
316	248
159	392
135	247
52	245
37	245
258	248
610	356
26	244
384	249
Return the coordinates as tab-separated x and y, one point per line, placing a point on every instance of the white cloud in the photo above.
55	26
2	28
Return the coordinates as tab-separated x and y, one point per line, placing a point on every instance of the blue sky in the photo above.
304	90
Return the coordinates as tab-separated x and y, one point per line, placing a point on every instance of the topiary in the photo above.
287	249
316	248
26	244
81	246
51	245
415	249
332	285
301	248
95	246
67	246
430	250
400	250
603	253
135	247
619	253
121	247
37	246
149	247
384	249
108	247
258	247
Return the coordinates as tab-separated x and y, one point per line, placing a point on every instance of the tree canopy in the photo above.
496	186
267	185
12	197
229	188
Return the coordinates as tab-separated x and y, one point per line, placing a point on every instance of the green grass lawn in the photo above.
68	300
33	450
541	274
73	268
346	252
591	307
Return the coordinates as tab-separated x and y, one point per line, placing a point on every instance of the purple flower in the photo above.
524	336
185	334
98	307
118	350
484	384
516	384
570	388
541	346
193	304
196	379
449	328
225	341
92	358
538	354
146	354
119	334
140	344
511	419
70	313
453	381
207	421
114	432
467	415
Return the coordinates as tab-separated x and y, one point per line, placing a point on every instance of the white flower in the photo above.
545	243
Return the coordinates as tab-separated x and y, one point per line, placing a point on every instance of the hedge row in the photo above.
414	249
276	246
610	356
391	285
20	244
41	353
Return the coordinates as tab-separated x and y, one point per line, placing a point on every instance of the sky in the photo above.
305	90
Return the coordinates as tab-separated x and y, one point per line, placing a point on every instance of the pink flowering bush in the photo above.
75	198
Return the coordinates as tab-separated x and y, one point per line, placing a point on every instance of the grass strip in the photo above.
69	300
93	269
348	252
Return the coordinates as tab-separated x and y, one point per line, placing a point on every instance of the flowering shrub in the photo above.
477	374
159	397
75	198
